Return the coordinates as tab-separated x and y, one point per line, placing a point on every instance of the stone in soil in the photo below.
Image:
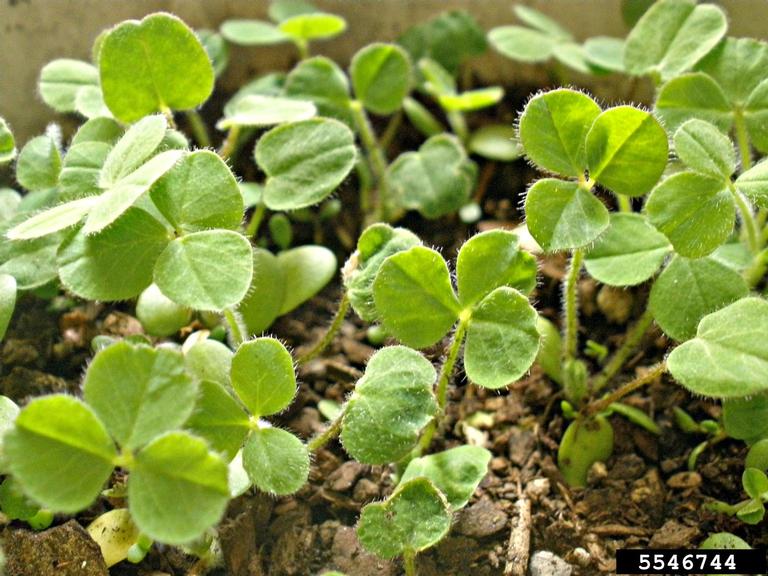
65	550
544	563
350	558
482	519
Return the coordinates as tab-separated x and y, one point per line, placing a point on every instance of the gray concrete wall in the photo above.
33	32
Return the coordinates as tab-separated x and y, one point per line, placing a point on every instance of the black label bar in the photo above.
632	561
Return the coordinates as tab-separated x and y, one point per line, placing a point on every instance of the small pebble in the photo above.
545	563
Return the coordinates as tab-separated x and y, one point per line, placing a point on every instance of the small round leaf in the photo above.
265	297
263	376
276	461
61	79
381	77
705	149
219	419
305	271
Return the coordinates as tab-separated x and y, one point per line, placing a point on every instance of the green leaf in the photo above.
723	540
115	264
276	461
693	96
304	161
89	102
266	294
490	260
688	290
268	85
60	453
60	80
456	472
313	26
522	44
7	143
133	149
414	298
496	142
754	184
122	195
305	271
755	482
7	301
258	110
206	270
628	253
31	262
736	65
381	77
672	36
252	33
177	468
626	150
376	243
52	220
14	503
746	419
199	193
414	518
390	405
605	53
756	117
541	22
38	164
562	215
153	65
752	512
728	358
219	419
472	100
553	129
436	81
695	212
757	457
550	349
79	175
573	56
436	180
320	80
502	339
636	416
139	392
9	204
263	377
216	48
280	10
585	442
160	316
705	149
105	130
209	360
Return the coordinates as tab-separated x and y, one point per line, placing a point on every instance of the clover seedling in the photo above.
7	143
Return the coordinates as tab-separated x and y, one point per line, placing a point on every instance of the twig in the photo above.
519	546
627	389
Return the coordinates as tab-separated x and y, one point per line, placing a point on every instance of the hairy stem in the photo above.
199	130
630	344
627	389
376	158
570	305
235	330
330	334
747	219
303	48
392	130
409	563
333	430
256	218
230	142
742	138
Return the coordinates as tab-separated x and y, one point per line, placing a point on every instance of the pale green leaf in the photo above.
490	260
754	183
305	271
628	253
7	301
199	193
263	377
573	56
376	243
553	130
61	79
390	405
177	468
695	212
436	80
206	270
160	316
209	360
422	119
320	80
562	215
31	262
605	53
585	442
266	294
381	77
276	461
304	161
258	110
688	290
106	130
252	33
219	419
280	10
626	150
436	180
80	173
672	36
523	44
313	26
414	298
737	66
415	517
746	419
7	143
541	22
153	65
472	100
636	416
89	102
135	147
502	339
216	48
756	117
52	220
728	358
139	392
60	453
495	142
38	164
693	96
705	149
550	350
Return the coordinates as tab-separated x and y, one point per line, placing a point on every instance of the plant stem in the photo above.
458	125
199	131
391	130
333	430
329	335
409	563
630	344
256	218
626	389
168	113
230	142
442	384
742	138
747	219
377	159
303	47
234	327
570	305
364	178
625	204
